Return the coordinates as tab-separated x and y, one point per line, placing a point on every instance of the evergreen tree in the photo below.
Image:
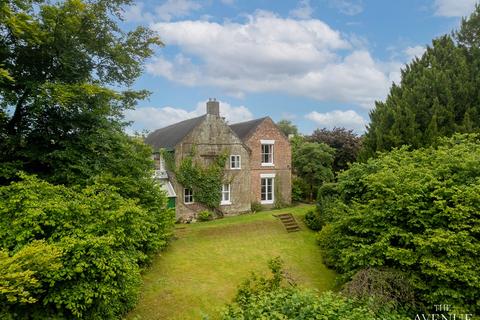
437	96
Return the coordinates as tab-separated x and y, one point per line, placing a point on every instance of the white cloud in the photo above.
165	12
268	53
136	13
347	119
454	8
151	118
176	8
412	52
348	7
303	11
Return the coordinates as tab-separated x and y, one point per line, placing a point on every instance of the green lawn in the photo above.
200	270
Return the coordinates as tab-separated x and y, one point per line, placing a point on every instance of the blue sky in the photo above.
319	63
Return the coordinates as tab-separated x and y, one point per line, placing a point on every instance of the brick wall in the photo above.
282	159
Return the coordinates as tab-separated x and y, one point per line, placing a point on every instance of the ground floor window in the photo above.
267	190
226	194
187	195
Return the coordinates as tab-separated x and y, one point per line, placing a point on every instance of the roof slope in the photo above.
243	129
168	137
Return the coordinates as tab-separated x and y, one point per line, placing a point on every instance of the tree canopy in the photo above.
58	63
80	211
346	144
437	95
312	162
287	127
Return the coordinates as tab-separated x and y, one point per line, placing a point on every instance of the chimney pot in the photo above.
213	107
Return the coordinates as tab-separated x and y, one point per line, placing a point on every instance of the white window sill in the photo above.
267	164
188	202
235	168
225	203
266	202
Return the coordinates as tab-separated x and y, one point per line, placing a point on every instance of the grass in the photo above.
200	271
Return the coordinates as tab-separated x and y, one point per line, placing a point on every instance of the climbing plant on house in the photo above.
205	181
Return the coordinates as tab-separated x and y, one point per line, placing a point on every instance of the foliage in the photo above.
205	181
25	274
270	298
99	237
346	144
57	107
312	220
414	211
387	287
312	162
205	215
256	207
437	95
300	189
287	127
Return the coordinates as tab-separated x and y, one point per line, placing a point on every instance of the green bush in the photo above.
205	215
256	207
415	211
300	189
312	220
278	298
87	265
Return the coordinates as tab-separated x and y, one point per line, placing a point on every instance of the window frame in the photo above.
271	144
267	177
239	162
190	196
225	191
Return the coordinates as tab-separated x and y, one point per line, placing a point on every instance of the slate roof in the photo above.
168	137
243	129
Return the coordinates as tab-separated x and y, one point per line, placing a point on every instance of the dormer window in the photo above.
267	152
235	162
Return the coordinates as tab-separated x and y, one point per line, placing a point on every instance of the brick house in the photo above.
258	167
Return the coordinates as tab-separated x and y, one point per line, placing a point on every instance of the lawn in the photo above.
201	269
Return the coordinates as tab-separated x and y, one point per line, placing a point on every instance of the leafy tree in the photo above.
59	62
416	212
346	144
287	127
312	162
437	95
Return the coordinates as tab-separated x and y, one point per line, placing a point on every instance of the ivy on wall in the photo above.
205	181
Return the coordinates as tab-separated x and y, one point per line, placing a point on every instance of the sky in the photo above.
318	63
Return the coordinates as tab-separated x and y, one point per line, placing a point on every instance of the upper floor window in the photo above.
187	196
226	194
235	162
267	152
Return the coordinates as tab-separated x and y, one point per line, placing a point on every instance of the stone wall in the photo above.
212	138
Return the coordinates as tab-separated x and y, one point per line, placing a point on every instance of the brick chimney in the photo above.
213	107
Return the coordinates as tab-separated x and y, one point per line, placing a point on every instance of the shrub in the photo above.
300	189
274	298
256	207
98	239
415	211
205	215
312	220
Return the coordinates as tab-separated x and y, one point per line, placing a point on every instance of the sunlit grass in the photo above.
202	268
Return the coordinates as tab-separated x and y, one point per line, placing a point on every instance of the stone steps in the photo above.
288	222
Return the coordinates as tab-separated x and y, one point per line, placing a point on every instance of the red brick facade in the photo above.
269	133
